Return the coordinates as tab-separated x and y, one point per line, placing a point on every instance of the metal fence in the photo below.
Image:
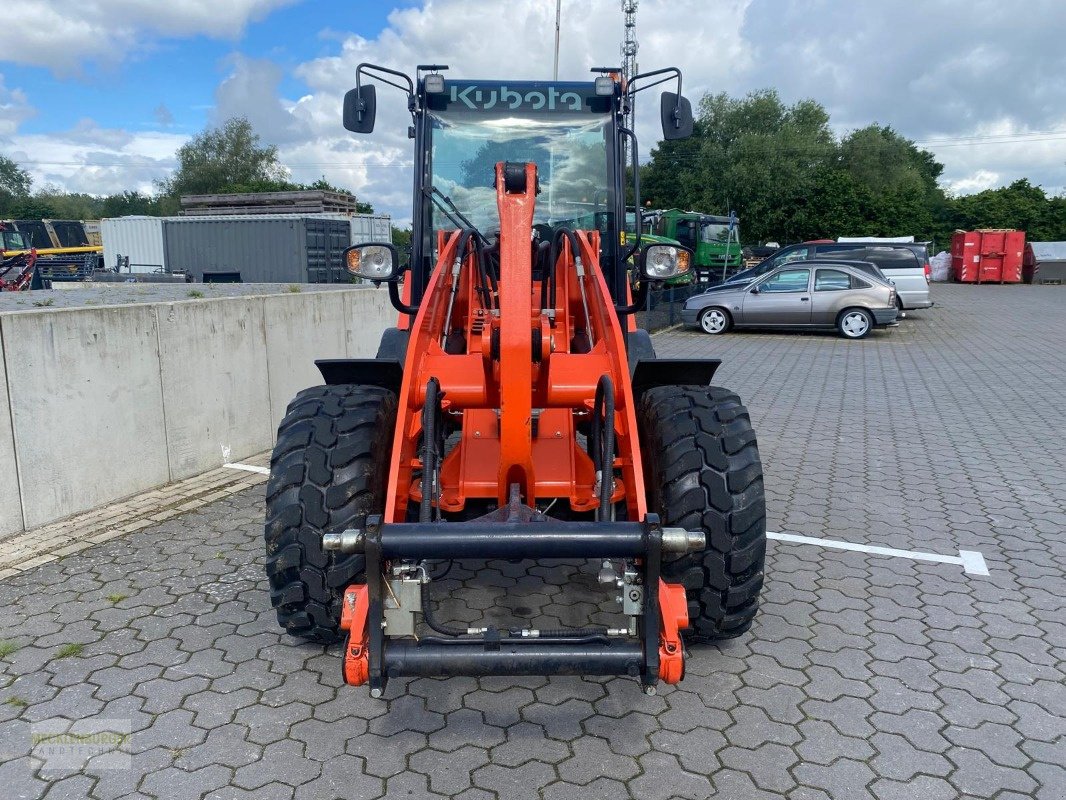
663	307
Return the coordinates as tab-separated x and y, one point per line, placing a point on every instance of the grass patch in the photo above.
17	702
294	288
70	650
195	293
7	648
220	554
44	303
116	598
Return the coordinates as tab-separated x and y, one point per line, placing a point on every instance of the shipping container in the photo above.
258	249
987	256
371	228
142	240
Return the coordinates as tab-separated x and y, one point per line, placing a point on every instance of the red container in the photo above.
987	256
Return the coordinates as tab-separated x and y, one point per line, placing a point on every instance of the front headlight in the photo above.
660	262
374	261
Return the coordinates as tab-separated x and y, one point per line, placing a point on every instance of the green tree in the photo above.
226	159
754	155
131	204
1020	205
788	178
401	237
69	205
15	184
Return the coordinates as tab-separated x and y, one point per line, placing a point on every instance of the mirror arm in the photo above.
397	301
374	71
639	299
673	72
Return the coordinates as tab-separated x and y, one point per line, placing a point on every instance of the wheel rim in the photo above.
855	324
713	321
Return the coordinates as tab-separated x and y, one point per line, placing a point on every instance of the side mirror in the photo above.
754	289
661	262
374	261
676	113
360	108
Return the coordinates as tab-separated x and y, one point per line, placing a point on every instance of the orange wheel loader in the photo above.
516	411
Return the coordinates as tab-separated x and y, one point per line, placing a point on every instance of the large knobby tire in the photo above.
702	470
328	471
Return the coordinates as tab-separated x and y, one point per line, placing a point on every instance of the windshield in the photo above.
715	232
12	240
570	151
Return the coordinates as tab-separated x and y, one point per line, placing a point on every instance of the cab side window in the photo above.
787	280
831	280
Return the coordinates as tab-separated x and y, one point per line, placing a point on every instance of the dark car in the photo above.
901	264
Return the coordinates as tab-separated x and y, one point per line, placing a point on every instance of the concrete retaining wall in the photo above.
97	404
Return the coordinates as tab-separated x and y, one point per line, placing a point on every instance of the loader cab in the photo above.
566	129
11	239
573	131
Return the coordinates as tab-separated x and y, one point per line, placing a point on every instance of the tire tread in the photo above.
703	470
328	471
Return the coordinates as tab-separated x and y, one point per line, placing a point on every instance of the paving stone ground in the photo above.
864	676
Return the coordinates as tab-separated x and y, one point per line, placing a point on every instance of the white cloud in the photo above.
15	109
95	160
480	42
890	62
977	182
251	91
62	35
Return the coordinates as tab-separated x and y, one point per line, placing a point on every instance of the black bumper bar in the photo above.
476	658
514	540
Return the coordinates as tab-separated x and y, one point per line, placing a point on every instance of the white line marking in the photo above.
249	468
971	561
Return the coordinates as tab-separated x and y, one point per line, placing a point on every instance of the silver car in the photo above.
905	265
810	294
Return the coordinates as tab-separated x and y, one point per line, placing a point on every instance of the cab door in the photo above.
781	299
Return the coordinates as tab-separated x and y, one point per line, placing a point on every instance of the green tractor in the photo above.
714	239
647	237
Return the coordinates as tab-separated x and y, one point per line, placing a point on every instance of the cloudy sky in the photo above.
96	95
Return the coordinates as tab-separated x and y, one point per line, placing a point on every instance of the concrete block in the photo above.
86	407
369	313
299	329
10	502
214	375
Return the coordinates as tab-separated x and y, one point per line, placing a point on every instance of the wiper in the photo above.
448	208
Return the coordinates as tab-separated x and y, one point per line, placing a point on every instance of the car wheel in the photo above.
854	323
900	312
715	321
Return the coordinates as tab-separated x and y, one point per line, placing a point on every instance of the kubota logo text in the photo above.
484	98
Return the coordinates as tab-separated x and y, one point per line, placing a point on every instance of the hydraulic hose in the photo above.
548	288
429	449
603	443
431	621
